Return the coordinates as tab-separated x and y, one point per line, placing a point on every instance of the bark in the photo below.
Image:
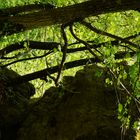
66	14
25	8
31	45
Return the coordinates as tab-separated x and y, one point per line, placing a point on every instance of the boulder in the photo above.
13	104
84	108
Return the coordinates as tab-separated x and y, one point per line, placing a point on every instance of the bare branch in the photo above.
64	50
88	46
98	31
31	58
52	70
30	44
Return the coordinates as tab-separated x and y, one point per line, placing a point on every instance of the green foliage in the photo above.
98	73
134	72
136	125
123	113
120	108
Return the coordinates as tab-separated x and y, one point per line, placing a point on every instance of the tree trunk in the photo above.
66	14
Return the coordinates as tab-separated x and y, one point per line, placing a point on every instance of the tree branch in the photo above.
30	44
88	46
64	50
66	14
25	8
52	70
25	59
98	31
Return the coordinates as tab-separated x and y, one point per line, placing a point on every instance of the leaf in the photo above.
55	50
120	107
138	56
98	73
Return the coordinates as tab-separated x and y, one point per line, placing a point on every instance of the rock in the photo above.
13	104
84	109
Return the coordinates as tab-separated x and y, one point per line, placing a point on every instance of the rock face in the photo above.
17	93
84	109
90	113
13	103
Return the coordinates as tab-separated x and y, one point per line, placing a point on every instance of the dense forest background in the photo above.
45	40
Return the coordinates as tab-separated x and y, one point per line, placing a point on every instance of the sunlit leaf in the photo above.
120	107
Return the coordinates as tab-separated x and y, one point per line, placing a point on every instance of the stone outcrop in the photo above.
13	104
83	108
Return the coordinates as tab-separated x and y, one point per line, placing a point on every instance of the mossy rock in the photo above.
13	104
84	109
